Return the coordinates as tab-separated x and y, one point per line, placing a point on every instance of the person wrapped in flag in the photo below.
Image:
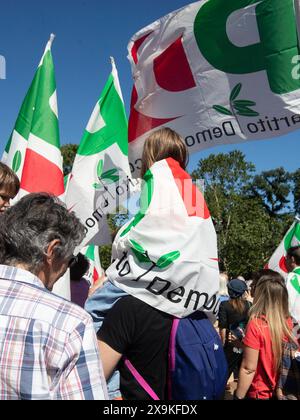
168	250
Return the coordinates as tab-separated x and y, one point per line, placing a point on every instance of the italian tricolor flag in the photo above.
33	150
292	238
91	252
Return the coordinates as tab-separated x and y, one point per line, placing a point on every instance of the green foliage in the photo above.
115	222
295	179
105	256
69	152
247	212
272	188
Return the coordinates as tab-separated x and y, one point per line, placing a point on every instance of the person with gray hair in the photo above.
52	346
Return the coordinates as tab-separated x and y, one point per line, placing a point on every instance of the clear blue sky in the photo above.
88	33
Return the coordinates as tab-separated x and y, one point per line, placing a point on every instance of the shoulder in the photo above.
134	305
257	323
134	311
257	328
225	305
60	313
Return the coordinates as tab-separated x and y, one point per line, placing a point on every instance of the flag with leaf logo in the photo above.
95	272
167	254
100	178
33	150
278	263
217	72
278	260
293	286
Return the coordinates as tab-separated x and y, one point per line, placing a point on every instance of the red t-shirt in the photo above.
258	338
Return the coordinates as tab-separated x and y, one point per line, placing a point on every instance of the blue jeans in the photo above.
98	306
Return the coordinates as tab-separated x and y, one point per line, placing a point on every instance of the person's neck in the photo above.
41	275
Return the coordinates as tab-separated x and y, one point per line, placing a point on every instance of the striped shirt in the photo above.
48	348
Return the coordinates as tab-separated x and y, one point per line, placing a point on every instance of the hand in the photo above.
233	340
279	394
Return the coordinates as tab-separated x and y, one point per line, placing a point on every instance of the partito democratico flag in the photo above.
101	178
278	263
278	259
33	150
167	255
217	72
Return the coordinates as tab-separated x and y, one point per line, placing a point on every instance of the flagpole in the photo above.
52	38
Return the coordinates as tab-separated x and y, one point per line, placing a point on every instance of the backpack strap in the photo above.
172	354
140	380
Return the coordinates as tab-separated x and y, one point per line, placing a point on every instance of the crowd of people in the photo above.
118	346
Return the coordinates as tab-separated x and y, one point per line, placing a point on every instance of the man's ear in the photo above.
50	252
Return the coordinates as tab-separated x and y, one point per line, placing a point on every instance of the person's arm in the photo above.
116	334
222	332
247	371
223	323
110	358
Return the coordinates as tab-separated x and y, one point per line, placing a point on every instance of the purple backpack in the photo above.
197	364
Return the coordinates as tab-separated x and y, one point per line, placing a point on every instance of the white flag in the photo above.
101	177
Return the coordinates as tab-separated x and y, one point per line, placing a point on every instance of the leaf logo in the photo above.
17	160
143	257
109	177
237	106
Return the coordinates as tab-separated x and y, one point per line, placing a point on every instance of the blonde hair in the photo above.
162	144
223	291
271	304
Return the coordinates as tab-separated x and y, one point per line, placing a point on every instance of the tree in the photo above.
247	233
69	152
295	178
272	188
115	222
252	238
225	177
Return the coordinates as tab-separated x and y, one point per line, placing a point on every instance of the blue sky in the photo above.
88	32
